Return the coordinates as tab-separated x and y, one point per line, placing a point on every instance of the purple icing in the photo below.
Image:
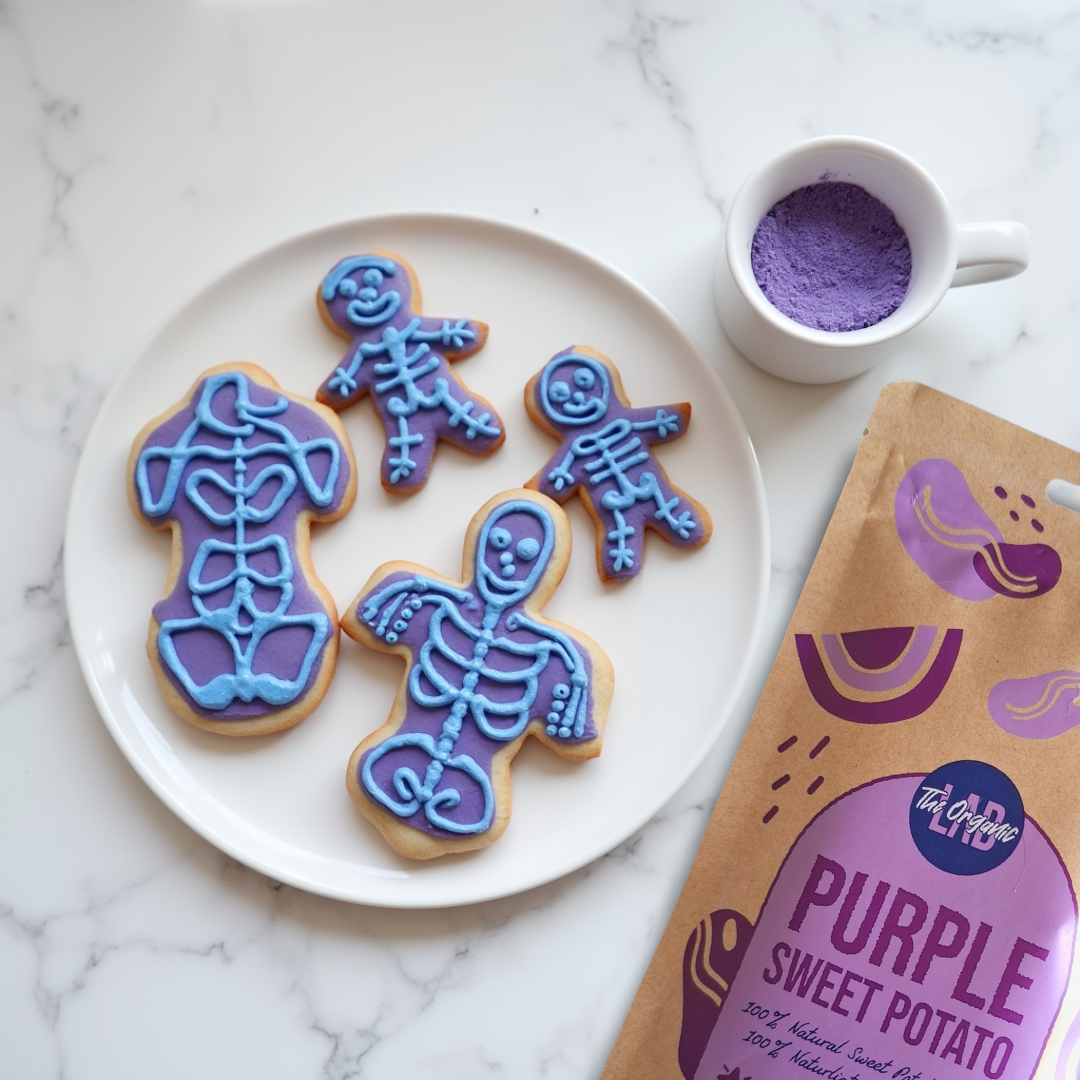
454	630
605	455
402	360
832	257
204	653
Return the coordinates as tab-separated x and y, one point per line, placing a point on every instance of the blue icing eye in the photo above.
506	558
559	391
373	277
347	287
500	538
561	690
528	548
584	378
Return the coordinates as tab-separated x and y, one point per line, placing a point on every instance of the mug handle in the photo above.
990	251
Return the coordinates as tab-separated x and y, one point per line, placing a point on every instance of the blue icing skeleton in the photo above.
605	456
485	670
245	642
403	361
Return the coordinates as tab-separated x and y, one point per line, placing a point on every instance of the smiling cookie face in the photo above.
575	390
365	291
515	546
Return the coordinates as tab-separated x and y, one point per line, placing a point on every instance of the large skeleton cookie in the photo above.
485	671
605	455
245	640
402	361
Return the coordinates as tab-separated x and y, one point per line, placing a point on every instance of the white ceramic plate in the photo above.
680	635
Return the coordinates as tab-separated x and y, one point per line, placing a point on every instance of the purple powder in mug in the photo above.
832	257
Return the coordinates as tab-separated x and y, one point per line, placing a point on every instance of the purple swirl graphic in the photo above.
1010	569
955	543
709	969
1040	707
897	672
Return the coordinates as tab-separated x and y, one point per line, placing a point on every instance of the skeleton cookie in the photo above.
485	671
605	455
402	360
245	641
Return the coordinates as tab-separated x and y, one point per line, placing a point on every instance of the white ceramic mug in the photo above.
943	254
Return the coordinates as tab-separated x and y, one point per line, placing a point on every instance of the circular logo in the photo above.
966	817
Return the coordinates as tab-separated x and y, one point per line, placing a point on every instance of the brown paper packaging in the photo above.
885	886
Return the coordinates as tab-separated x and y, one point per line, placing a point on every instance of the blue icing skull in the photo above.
575	390
515	545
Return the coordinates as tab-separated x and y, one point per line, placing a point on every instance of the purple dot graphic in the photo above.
1036	525
1014	515
1028	501
1001	493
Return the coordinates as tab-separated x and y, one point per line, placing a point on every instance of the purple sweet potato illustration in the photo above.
878	676
956	544
1037	708
710	963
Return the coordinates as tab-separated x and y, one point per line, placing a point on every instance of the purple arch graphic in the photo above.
917	642
910	704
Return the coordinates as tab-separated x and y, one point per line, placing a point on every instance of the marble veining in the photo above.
147	150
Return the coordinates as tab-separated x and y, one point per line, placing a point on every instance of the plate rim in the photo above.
411	219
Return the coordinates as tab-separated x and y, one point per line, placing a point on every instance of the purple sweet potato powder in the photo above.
832	257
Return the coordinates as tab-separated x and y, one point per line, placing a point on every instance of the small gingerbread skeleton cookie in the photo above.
485	671
605	455
245	640
403	361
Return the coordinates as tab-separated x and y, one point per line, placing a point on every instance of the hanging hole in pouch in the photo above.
1064	494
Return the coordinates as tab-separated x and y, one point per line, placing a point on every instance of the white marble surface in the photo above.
148	147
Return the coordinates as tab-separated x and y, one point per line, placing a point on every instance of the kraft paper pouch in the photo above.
885	888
